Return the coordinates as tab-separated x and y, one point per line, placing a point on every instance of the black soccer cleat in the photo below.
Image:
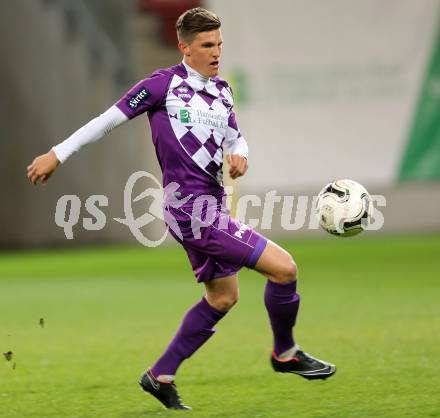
304	365
164	392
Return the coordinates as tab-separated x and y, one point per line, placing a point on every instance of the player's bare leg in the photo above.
276	264
222	294
282	304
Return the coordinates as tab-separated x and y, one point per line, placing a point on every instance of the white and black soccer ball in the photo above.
344	208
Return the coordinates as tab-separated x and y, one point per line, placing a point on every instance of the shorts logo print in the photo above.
241	231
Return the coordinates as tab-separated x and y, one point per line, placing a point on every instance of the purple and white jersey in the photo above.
191	118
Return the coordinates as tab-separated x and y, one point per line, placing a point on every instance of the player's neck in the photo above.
192	72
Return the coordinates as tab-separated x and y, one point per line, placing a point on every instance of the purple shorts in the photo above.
218	248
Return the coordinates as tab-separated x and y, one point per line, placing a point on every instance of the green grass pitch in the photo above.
370	305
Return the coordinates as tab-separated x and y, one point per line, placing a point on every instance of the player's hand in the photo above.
42	167
238	165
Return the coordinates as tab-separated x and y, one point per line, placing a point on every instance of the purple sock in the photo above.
195	330
282	304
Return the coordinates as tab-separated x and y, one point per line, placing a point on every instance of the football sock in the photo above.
196	328
289	353
282	304
166	378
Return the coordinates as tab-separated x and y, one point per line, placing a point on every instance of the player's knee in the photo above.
292	271
225	302
231	300
288	271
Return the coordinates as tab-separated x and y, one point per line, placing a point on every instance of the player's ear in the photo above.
184	48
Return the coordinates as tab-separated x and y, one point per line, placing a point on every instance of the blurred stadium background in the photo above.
324	90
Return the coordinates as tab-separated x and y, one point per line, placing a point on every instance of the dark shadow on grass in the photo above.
148	411
93	387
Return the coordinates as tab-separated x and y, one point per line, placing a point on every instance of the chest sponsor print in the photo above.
208	118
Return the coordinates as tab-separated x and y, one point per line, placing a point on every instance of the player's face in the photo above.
203	53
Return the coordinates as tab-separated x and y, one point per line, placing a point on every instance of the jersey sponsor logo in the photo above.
208	118
241	231
134	101
185	116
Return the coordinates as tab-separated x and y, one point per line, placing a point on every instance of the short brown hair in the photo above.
196	20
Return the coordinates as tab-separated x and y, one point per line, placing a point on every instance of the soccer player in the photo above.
191	114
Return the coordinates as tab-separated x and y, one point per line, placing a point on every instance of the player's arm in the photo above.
238	165
44	166
142	97
237	147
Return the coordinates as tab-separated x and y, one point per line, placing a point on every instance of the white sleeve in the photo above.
234	141
238	146
90	132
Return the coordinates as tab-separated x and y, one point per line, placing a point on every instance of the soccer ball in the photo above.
344	208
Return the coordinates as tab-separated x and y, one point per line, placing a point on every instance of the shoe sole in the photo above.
317	376
321	374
